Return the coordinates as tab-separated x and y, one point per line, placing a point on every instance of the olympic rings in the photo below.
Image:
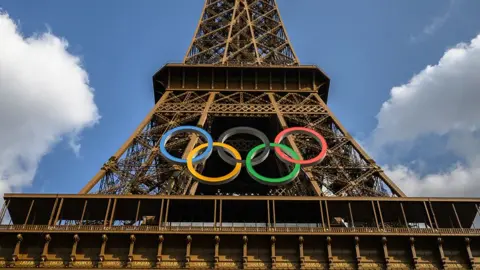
244	130
313	161
273	181
231	156
172	132
214	180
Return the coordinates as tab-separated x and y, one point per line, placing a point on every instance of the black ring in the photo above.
243	130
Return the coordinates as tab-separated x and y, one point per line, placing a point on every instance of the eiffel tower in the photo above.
148	207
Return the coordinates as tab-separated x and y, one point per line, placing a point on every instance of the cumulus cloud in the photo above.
458	181
45	97
441	100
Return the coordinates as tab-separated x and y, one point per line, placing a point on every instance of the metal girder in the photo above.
241	31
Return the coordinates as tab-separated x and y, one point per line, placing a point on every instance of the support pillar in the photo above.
245	256
272	250
216	257
329	252
442	254
471	259
300	252
357	252
16	251
385	252
187	254
159	251
414	252
73	255
43	257
101	256
130	251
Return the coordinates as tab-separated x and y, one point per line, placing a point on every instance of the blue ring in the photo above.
180	129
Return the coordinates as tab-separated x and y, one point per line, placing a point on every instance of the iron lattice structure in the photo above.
242	33
240	70
346	171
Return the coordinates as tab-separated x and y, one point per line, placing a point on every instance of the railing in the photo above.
238	229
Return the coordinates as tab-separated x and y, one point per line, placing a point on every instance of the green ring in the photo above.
274	181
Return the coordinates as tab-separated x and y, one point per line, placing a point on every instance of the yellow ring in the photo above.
220	179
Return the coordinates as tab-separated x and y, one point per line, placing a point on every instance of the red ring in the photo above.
314	160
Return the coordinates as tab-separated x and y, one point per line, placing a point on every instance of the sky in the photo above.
75	81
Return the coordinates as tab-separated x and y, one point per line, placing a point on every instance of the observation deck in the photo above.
246	78
238	231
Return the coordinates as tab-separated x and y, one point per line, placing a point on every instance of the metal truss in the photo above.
346	171
241	32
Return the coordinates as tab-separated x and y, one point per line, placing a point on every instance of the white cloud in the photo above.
435	24
442	100
459	181
45	97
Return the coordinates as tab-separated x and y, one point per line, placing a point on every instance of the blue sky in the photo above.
366	47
